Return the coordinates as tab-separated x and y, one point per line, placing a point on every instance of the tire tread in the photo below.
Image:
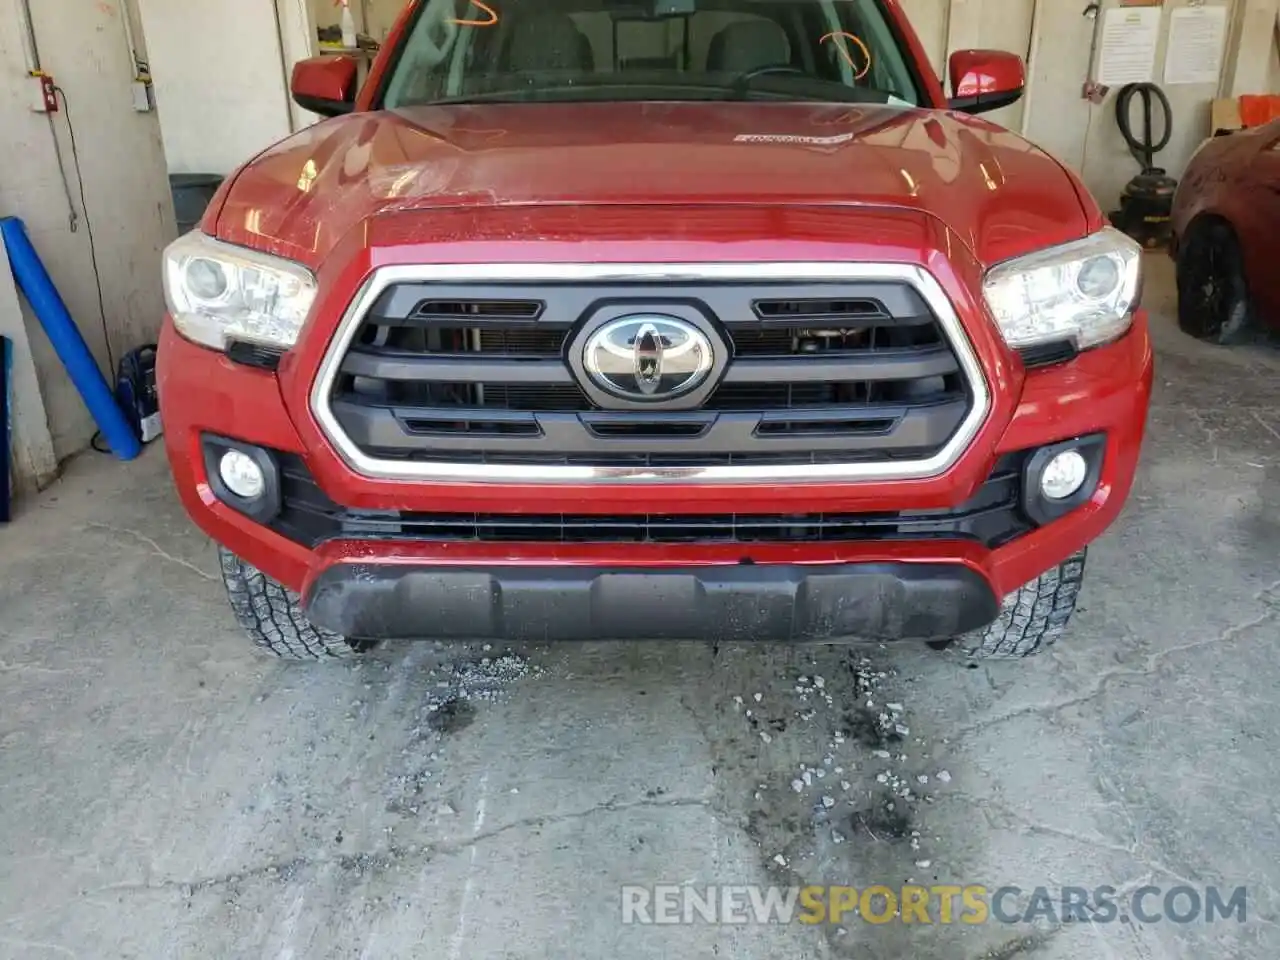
1033	617
272	615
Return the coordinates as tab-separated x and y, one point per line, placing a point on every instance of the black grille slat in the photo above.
535	341
807	433
448	357
992	517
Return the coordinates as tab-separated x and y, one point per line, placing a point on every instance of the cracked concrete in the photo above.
168	793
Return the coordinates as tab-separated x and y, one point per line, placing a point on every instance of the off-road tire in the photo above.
1213	295
272	616
1032	617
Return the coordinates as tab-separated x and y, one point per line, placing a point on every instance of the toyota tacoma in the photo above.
594	319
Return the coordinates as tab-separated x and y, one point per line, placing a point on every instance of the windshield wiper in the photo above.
588	93
782	87
744	88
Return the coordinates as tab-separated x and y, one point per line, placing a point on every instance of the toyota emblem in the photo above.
648	357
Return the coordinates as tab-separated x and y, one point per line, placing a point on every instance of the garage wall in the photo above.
1097	149
126	198
1054	114
1256	66
220	77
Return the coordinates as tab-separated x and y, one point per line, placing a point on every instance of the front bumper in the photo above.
881	601
795	590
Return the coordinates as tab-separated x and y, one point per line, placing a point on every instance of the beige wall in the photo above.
127	198
220	77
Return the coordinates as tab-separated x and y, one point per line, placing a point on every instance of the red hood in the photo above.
998	193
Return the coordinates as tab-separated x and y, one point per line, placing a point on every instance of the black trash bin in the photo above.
191	195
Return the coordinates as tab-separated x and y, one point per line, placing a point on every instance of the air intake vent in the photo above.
477	310
991	517
823	310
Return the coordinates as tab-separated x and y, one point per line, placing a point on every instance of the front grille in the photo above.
991	517
835	372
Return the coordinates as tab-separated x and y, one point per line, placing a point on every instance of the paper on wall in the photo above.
1194	53
1130	36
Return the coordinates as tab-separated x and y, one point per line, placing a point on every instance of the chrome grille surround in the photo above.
762	473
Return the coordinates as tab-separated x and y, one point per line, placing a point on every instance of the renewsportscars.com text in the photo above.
940	903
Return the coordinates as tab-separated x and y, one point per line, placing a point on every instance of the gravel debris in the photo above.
486	680
779	859
797	786
944	776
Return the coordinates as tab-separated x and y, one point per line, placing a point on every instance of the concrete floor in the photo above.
169	793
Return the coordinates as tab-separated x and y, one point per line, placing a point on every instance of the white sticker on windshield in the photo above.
792	138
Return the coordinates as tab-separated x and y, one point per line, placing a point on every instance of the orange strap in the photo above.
493	16
866	53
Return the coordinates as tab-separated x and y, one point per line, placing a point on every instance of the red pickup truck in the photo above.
657	319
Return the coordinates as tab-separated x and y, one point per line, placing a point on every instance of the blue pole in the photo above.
52	313
6	365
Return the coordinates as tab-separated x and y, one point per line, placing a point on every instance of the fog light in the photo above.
1063	475
242	475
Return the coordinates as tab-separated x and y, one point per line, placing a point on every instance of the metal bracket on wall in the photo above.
1091	90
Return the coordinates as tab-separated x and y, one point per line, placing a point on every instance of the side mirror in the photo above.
325	85
983	80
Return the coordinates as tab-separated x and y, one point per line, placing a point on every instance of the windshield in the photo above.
458	51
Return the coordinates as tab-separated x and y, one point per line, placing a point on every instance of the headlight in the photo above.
218	293
1084	292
